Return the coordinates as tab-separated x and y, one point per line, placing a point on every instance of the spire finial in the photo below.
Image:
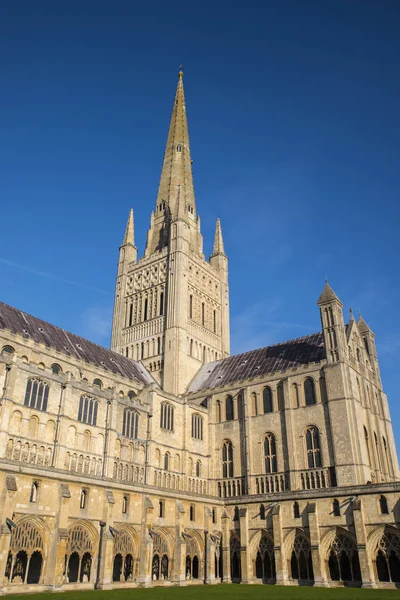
351	314
180	74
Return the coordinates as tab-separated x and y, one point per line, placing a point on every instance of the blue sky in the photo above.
295	129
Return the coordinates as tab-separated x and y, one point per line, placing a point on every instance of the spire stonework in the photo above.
172	308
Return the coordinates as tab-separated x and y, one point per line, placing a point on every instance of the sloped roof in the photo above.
256	363
29	327
327	295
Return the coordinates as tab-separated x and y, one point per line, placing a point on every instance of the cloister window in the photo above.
87	412
227	459
125	504
36	394
34	492
130	423
26	554
336	508
309	391
83	498
197	427
271	465
267	400
167	416
313	448
229	411
383	505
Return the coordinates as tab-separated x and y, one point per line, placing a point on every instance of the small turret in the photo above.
331	309
128	250
218	247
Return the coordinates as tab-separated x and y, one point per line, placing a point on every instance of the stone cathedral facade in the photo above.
166	461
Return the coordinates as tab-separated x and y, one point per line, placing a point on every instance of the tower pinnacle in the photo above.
129	237
218	247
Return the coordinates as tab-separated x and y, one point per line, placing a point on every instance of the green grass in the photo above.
220	592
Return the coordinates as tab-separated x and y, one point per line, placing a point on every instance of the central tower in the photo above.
171	307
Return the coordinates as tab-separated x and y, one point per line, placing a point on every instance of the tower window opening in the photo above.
203	312
179	148
336	508
130	314
190	306
145	312
161	303
215	320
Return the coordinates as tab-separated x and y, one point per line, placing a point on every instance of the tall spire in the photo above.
218	241
177	165
129	237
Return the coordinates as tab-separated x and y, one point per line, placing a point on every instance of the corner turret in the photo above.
331	310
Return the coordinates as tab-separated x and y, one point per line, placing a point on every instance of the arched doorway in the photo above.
35	567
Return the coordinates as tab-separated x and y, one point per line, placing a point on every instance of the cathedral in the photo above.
165	460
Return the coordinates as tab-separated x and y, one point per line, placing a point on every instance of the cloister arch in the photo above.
162	554
262	554
298	551
384	546
194	554
27	551
82	542
126	554
339	549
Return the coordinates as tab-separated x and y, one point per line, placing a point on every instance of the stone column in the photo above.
245	559
5	537
318	562
178	575
226	551
279	551
146	543
367	570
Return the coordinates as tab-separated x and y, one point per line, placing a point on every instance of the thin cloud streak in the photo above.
54	277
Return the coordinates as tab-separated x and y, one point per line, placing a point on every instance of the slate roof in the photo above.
29	327
256	363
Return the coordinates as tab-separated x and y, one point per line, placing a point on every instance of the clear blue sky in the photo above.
294	121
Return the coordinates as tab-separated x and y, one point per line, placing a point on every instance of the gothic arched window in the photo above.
130	423
267	400
198	468
336	508
229	411
383	505
36	394
227	459
309	391
87	412
197	427
313	447
166	461
167	416
271	465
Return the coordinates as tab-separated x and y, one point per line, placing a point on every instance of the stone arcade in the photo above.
166	461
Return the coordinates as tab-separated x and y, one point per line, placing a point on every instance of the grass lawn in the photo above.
220	592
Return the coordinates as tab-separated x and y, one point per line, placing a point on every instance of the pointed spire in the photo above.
177	165
327	294
129	237
218	241
363	327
